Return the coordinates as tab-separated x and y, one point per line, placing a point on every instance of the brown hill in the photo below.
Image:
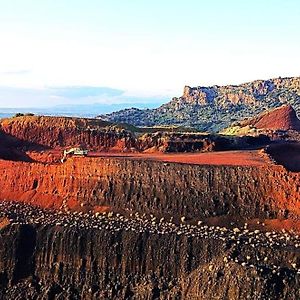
64	131
282	118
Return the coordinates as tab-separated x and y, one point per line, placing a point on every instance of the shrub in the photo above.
18	115
22	115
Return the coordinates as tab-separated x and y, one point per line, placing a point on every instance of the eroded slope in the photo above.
71	256
149	186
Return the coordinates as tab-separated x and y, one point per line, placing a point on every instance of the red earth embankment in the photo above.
53	132
145	185
281	118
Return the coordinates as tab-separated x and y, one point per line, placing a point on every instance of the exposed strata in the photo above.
40	131
149	186
196	142
114	257
61	255
216	107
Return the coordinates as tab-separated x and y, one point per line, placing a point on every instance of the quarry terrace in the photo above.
90	209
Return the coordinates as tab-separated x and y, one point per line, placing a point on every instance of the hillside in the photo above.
43	133
282	119
65	131
216	107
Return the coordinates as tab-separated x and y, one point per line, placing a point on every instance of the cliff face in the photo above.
251	93
216	107
63	131
55	262
154	187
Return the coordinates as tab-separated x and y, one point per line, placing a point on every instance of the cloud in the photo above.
76	92
76	95
15	72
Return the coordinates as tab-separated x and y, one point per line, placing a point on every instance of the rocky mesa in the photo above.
216	107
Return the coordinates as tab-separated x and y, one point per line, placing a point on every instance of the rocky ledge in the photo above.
50	255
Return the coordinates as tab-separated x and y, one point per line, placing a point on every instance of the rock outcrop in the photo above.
216	107
196	142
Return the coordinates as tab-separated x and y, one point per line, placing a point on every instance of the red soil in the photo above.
230	158
85	183
277	224
48	156
282	118
73	169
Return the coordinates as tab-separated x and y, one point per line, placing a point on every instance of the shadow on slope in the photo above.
286	154
12	148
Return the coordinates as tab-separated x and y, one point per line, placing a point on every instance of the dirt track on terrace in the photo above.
230	158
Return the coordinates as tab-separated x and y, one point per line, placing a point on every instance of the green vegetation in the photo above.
23	115
18	115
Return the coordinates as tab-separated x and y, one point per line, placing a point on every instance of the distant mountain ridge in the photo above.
216	107
76	110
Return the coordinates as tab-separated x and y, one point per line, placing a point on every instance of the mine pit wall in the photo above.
69	263
67	137
155	187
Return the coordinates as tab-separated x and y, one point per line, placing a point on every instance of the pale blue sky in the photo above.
142	49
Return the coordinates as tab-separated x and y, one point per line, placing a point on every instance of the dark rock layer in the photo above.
64	263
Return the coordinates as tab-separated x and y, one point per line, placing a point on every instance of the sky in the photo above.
60	52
